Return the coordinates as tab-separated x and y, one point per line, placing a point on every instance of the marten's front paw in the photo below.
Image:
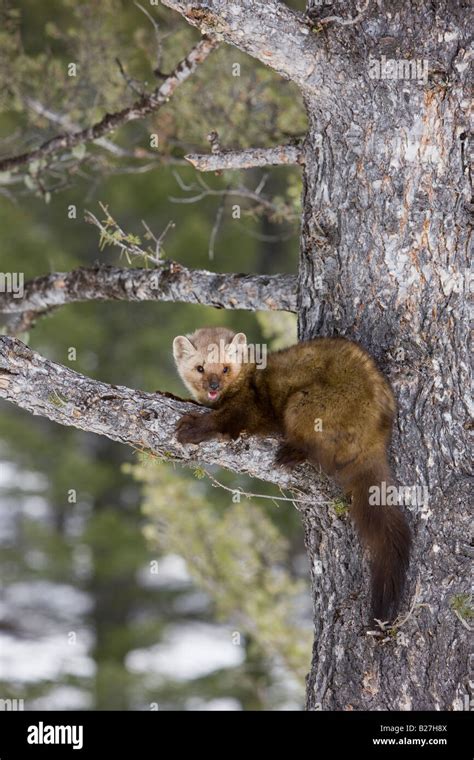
192	428
289	456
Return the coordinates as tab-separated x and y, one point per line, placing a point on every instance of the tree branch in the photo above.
144	421
246	159
64	121
167	282
265	29
141	108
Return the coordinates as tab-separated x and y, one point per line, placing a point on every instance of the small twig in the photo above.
213	139
159	46
215	228
239	192
398	623
386	627
161	160
182	184
261	184
158	241
118	237
249	495
130	82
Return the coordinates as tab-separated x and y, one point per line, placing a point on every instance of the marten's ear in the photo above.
237	346
182	348
240	339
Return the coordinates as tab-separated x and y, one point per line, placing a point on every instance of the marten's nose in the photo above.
213	384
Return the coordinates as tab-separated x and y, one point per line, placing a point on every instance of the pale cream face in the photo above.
209	361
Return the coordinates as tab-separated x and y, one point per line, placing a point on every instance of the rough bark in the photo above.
168	282
267	30
385	231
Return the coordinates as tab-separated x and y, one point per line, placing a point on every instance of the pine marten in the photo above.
332	406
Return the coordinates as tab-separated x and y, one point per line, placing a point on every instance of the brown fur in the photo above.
332	406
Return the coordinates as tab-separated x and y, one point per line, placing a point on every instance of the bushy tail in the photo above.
384	530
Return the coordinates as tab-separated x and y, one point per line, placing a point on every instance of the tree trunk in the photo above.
385	233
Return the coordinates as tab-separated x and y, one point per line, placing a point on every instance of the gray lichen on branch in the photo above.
281	155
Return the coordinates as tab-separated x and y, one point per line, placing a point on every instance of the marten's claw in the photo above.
191	428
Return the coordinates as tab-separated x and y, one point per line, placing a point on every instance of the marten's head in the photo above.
209	361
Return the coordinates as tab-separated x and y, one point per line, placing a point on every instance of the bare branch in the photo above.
247	158
133	84
265	29
158	241
111	233
108	145
215	228
110	122
144	421
263	204
251	495
167	282
158	38
65	121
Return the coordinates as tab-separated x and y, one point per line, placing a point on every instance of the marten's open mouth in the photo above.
213	395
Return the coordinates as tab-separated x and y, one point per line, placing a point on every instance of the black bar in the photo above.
166	733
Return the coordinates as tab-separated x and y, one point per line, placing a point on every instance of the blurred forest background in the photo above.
129	583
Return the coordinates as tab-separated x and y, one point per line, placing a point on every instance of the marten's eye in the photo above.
200	368
225	370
